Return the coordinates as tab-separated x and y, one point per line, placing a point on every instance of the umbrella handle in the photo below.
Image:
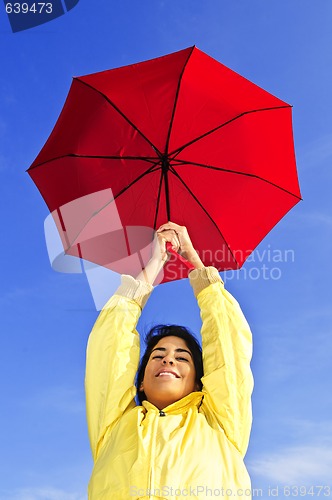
179	257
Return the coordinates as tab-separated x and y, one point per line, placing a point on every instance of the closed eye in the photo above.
183	359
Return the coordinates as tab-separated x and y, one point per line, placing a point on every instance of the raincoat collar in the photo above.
181	406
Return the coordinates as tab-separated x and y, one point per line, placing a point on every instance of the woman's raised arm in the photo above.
112	360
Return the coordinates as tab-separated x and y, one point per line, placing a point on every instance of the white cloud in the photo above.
314	218
47	493
306	461
320	218
296	465
302	428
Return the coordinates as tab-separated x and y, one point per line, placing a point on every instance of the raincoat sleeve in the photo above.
112	359
227	351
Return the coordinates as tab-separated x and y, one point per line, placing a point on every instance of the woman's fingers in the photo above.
170	225
179	238
179	231
170	236
182	235
161	239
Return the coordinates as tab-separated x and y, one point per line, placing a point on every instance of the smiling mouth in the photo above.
167	374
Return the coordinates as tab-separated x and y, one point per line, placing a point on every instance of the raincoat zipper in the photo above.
153	449
152	454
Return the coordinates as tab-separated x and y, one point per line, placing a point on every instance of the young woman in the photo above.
188	437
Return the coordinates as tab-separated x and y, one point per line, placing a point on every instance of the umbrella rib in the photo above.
204	210
151	169
115	197
176	100
158	201
121	113
221	169
74	155
181	148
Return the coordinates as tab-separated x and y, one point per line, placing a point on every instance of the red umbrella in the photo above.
182	138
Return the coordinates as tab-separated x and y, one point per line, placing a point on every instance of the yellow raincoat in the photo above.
196	450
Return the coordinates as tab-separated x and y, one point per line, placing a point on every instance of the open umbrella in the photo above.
181	137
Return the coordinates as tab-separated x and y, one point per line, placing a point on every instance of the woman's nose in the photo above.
168	360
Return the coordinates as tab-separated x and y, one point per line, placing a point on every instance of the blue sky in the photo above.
46	316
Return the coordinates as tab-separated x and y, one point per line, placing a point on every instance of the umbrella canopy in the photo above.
182	138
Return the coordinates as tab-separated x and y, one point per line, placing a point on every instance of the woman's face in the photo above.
170	372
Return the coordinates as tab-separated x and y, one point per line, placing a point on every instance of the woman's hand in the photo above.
159	254
162	237
185	248
181	243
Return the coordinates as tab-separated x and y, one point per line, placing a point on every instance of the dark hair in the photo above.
157	333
